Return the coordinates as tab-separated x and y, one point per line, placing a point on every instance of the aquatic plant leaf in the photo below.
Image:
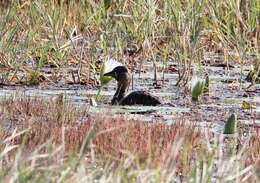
3	65
206	89
107	3
104	79
99	91
253	75
197	88
107	66
246	105
93	102
231	125
33	78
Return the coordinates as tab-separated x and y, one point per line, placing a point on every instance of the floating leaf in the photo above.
246	105
231	125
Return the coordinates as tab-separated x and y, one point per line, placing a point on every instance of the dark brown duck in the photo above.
122	76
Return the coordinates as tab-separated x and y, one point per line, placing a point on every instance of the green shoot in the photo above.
197	87
231	125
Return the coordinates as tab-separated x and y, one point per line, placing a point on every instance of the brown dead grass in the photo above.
115	138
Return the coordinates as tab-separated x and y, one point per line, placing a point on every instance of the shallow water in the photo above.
226	96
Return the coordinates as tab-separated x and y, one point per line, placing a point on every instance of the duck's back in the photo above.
140	98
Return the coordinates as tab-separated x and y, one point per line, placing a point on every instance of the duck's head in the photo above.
120	72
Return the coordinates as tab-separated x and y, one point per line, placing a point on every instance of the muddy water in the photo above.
227	93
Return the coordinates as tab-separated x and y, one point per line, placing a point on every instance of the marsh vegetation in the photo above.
51	52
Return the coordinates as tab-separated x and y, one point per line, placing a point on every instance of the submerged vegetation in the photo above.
58	43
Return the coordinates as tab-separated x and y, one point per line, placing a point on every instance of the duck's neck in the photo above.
122	88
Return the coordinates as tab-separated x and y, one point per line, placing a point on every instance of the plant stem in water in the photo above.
99	92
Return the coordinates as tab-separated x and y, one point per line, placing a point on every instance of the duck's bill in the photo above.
110	74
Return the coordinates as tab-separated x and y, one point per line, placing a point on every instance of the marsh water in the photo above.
227	94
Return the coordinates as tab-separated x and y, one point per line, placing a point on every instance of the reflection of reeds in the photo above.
52	140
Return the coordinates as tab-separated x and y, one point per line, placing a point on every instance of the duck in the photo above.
123	78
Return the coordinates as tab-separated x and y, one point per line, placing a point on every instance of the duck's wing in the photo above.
140	98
